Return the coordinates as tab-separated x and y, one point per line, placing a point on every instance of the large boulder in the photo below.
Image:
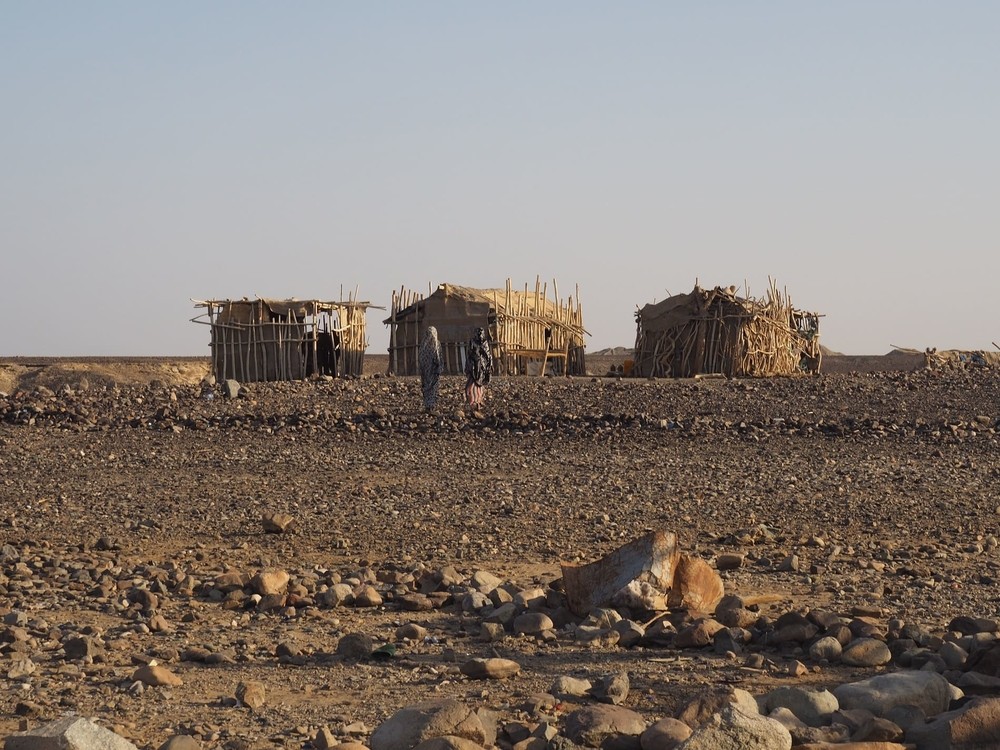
665	734
733	729
812	707
410	726
68	733
974	726
702	707
270	581
696	585
592	725
928	691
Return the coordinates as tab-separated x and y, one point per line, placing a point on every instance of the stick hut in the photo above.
254	340
713	331
531	332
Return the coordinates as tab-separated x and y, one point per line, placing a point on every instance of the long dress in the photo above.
479	360
431	364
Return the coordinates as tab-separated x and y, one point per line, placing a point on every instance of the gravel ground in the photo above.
883	486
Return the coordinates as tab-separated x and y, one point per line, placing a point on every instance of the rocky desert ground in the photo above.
292	565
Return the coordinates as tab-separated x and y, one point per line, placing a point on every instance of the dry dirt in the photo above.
119	475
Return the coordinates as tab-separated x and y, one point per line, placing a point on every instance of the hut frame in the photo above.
716	332
530	332
263	339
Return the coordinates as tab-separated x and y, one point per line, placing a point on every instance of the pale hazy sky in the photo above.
155	152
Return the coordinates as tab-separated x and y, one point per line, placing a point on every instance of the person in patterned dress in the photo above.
431	366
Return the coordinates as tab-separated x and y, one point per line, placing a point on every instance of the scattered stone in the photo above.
970	727
730	561
532	623
485	582
612	689
355	646
866	652
699	634
592	725
181	742
812	707
789	564
825	649
232	580
491	632
953	655
367	596
803	734
596	637
448	742
270	581
415	603
411	631
338	594
880	730
156	675
20	667
82	647
630	633
665	734
277	523
490	669
251	694
324	739
699	709
571	687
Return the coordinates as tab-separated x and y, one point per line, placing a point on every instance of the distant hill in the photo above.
614	351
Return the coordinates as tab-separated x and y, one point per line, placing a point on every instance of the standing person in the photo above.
478	369
431	365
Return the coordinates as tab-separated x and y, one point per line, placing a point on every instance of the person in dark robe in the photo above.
478	369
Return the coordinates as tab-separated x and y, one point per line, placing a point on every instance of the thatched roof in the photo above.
243	310
298	308
521	304
681	308
716	331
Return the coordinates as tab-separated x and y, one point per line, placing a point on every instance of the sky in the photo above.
155	153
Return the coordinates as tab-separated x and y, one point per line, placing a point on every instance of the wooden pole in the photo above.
265	342
290	345
211	341
282	372
225	352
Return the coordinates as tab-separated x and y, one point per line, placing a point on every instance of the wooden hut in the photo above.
530	332
713	331
262	339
